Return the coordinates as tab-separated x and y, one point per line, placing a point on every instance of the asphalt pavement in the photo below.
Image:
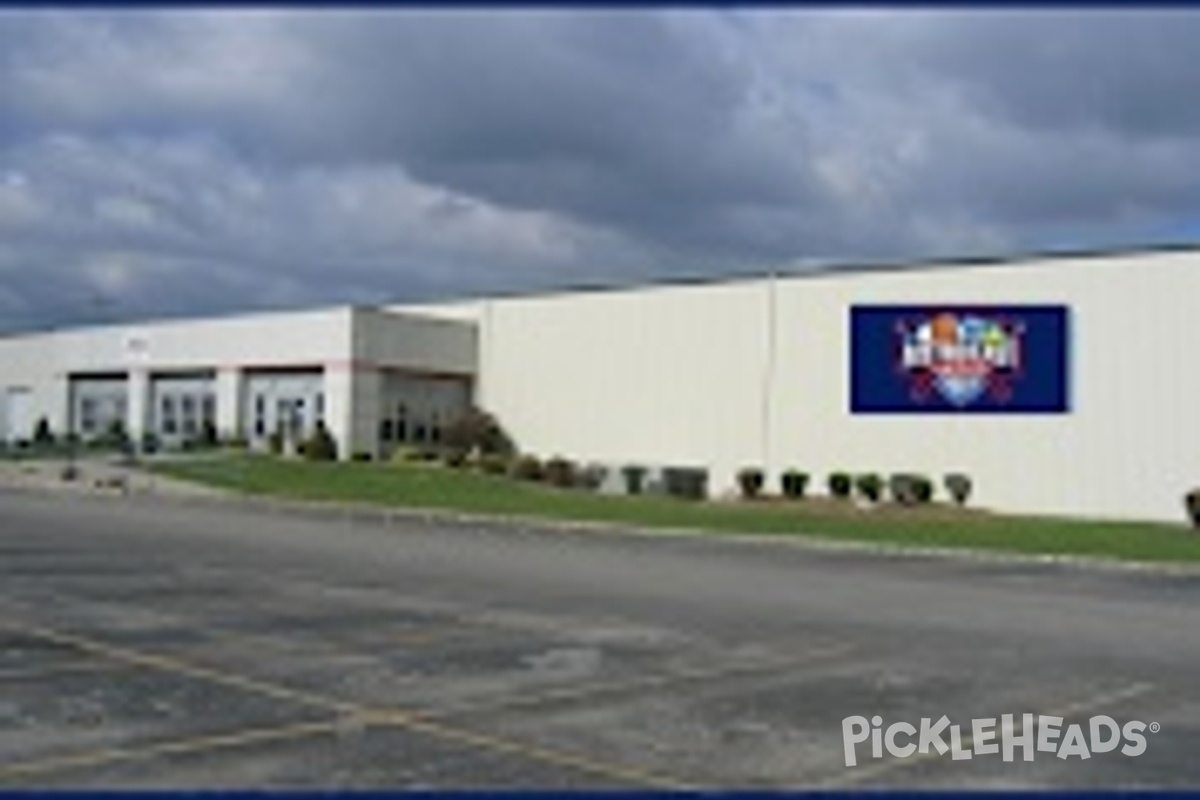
150	642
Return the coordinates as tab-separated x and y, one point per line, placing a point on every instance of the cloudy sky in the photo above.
191	162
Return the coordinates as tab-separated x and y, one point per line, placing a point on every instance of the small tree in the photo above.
560	472
1191	502
750	481
794	484
635	478
869	486
43	436
958	486
840	485
911	489
528	468
320	445
476	431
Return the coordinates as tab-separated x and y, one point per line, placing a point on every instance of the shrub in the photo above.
43	436
909	489
1191	502
869	486
113	438
635	478
455	458
687	482
840	485
560	472
150	442
794	483
208	434
476	430
235	442
493	464
362	456
275	442
527	468
958	486
750	481
591	477
320	445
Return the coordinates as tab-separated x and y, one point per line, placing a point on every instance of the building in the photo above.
1059	383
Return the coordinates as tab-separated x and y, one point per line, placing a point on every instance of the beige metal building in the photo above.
723	375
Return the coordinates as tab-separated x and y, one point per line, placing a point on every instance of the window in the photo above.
187	414
87	415
386	430
435	430
208	410
260	416
418	432
170	425
319	407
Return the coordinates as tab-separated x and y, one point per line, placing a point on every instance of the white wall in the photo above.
678	374
350	345
666	375
1125	449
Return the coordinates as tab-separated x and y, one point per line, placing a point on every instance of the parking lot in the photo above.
147	643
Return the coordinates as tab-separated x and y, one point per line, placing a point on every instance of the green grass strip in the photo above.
434	487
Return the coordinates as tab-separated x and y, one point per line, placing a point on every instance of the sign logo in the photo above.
960	356
959	359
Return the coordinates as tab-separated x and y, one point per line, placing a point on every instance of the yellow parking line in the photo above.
630	775
198	744
180	667
867	772
392	717
568	693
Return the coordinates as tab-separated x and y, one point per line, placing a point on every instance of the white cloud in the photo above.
238	157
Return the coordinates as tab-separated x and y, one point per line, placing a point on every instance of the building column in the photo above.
352	408
229	403
137	404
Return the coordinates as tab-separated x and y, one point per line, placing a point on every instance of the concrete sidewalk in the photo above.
105	474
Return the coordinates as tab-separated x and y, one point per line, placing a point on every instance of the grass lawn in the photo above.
432	486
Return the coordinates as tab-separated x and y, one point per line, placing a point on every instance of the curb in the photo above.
366	513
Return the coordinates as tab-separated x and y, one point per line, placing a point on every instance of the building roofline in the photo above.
791	271
797	270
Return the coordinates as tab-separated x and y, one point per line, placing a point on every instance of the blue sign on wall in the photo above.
959	359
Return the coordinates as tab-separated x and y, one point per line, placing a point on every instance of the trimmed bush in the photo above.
43	436
591	477
635	478
208	434
869	487
275	442
559	472
493	464
1191	501
840	485
687	482
476	431
794	483
750	482
527	468
320	445
455	458
958	486
910	490
361	455
150	442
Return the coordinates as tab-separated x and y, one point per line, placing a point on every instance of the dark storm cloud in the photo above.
177	161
